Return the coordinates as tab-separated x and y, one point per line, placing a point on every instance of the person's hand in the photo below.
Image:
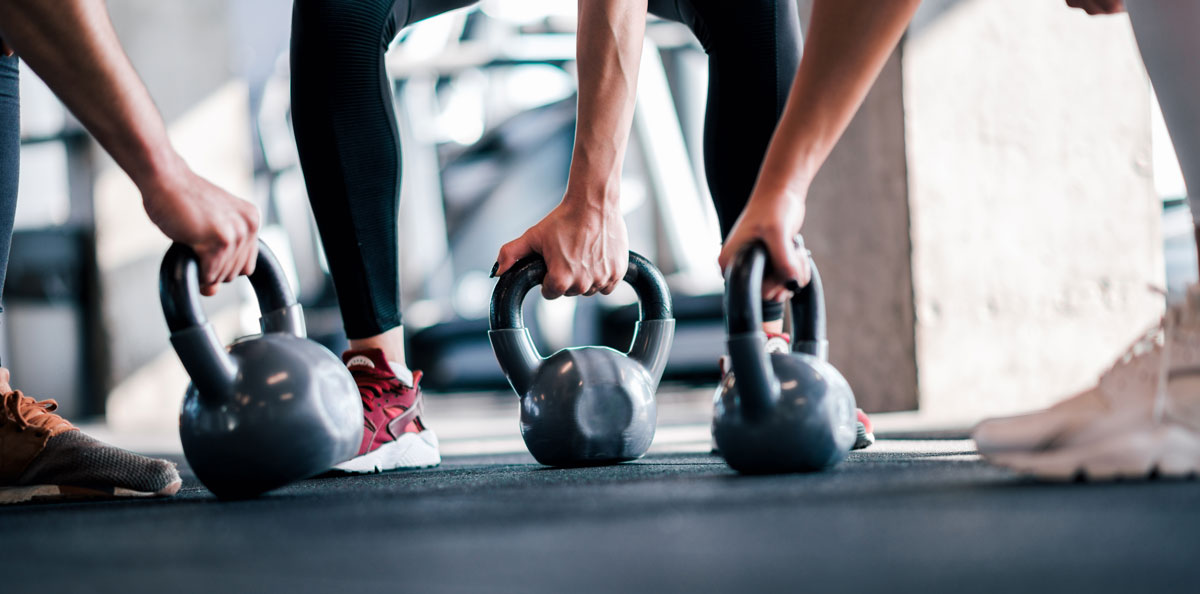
1094	7
586	249
775	219
5	388
220	227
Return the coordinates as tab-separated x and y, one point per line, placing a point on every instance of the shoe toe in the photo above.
994	436
1022	433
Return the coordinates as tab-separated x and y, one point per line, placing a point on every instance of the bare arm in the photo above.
71	44
848	43
584	240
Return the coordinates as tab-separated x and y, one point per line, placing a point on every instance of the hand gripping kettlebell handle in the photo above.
746	340
743	304
210	366
514	346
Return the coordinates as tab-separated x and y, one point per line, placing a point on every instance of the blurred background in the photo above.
990	228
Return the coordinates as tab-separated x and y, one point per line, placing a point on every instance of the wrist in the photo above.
159	174
594	192
792	193
595	175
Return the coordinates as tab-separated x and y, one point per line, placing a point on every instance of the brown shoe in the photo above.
44	457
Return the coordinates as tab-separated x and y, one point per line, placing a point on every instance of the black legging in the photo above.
10	157
349	147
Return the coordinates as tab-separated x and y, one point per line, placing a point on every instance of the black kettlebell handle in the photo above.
743	302
759	387
212	369
514	347
654	299
179	290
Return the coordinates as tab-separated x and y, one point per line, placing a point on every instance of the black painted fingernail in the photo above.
495	267
793	285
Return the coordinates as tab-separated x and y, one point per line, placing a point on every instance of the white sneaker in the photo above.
1141	419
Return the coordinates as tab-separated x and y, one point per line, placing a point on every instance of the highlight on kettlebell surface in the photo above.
599	296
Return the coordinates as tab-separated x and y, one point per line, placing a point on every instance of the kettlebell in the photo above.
783	412
272	408
585	405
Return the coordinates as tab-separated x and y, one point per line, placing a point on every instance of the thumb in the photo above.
511	253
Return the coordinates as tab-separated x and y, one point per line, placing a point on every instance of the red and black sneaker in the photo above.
393	435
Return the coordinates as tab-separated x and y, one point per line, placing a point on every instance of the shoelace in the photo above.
27	413
1153	337
1162	403
1163	335
375	385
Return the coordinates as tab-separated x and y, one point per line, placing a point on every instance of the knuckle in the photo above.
508	251
555	286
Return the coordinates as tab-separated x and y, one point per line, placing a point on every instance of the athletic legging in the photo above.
10	158
349	148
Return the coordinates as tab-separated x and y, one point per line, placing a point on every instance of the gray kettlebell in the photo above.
273	408
584	405
790	412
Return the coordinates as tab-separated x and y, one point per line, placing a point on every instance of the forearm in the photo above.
72	46
609	51
848	43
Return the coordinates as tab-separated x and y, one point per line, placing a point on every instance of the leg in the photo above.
1168	42
754	50
349	151
1143	416
43	456
10	158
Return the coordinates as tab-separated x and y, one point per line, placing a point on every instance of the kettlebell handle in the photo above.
514	346
195	340
654	299
179	290
755	374
743	302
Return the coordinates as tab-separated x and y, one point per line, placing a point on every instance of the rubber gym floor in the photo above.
907	515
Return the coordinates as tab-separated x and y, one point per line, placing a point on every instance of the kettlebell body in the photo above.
595	400
782	412
585	405
812	427
272	408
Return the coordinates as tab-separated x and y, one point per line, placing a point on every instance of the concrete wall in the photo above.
987	228
1035	227
858	230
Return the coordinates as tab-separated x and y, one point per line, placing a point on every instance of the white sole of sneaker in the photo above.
410	451
1167	451
47	493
